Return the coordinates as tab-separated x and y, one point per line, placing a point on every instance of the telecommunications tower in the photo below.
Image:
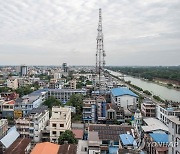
100	53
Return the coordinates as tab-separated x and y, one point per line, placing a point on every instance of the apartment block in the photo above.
30	101
174	134
59	122
89	111
148	108
64	94
3	127
163	111
34	123
12	83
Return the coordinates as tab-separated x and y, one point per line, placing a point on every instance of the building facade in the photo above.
148	108
33	124
123	97
59	122
174	134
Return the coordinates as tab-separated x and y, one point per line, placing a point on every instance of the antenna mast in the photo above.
100	53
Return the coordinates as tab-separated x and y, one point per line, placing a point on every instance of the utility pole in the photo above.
100	53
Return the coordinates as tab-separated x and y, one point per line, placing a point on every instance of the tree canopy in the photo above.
67	136
52	101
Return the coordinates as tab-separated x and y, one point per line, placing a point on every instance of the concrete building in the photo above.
59	122
3	127
64	67
8	109
73	84
64	94
89	111
30	101
33	124
148	108
163	111
12	83
174	134
101	108
23	70
123	97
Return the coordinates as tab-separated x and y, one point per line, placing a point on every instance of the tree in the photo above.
52	101
67	136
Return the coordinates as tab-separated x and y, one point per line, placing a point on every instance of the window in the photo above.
54	132
53	125
61	125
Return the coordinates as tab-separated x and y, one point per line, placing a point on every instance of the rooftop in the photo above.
159	137
78	133
38	110
154	124
45	148
122	91
174	119
19	146
127	139
67	149
110	132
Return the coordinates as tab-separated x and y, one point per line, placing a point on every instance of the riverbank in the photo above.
169	94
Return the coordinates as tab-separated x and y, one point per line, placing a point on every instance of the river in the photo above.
161	91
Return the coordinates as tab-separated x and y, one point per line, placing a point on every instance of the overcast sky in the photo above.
50	32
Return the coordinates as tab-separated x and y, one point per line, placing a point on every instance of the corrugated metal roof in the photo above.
10	138
122	91
159	137
127	139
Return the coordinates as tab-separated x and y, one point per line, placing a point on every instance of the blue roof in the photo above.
113	149
159	137
122	91
127	139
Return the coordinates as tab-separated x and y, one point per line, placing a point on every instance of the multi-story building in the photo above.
174	134
72	84
3	127
123	97
163	111
101	108
89	111
30	101
23	70
8	109
64	94
34	123
148	108
59	122
12	83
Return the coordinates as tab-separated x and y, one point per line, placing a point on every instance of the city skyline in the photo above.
52	32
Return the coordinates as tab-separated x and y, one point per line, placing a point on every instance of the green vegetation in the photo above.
24	90
169	73
158	98
76	100
52	101
67	136
147	92
5	89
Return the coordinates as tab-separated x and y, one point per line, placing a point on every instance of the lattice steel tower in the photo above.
100	53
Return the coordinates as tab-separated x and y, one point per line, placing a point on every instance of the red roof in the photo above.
11	102
78	133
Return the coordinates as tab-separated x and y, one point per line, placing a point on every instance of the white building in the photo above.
162	112
34	123
72	84
123	97
30	101
174	134
59	122
3	127
12	83
64	94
